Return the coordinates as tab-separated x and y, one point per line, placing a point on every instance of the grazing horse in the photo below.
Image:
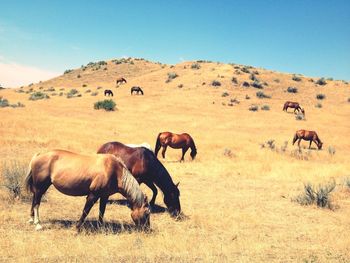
97	176
137	90
293	105
175	141
144	144
120	80
108	92
307	136
147	169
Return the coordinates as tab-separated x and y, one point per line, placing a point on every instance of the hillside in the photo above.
237	194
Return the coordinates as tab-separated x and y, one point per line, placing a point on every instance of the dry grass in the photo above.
238	208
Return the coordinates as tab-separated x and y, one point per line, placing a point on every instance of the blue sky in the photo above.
307	37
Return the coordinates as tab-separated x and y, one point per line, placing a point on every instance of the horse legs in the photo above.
310	144
184	150
103	203
155	192
164	150
90	201
299	142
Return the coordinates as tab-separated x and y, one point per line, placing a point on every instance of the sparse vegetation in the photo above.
78	76
299	116
88	90
84	85
67	71
318	105
245	84
94	93
319	196
216	83
292	90
180	86
234	80
225	94
253	108
262	95
108	105
257	85
247	97
13	177
228	153
195	66
321	82
38	95
4	103
331	150
253	77
171	76
320	96
265	107
245	70
296	78
73	93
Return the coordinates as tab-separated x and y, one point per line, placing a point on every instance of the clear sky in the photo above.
40	39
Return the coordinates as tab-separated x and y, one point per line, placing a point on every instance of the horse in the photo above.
147	169
120	80
137	90
307	136
175	141
108	92
144	144
97	176
293	105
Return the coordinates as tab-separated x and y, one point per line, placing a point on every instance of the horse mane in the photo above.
131	186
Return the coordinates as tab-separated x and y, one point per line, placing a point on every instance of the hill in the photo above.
237	193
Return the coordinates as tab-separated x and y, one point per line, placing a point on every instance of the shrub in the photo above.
299	116
318	196
318	105
247	97
73	93
17	105
234	80
195	66
292	90
84	85
253	108
257	85
108	105
4	103
38	95
228	153
13	177
320	96
234	101
216	83
67	71
180	86
331	150
50	89
276	80
349	100
253	77
78	76
88	90
99	87
296	78
245	84
94	93
245	70
265	107
224	94
262	95
321	82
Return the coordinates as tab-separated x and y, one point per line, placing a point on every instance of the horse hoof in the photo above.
38	227
31	221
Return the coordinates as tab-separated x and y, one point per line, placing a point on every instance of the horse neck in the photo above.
162	178
131	189
193	146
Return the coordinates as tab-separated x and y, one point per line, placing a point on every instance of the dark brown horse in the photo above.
176	141
307	136
108	92
293	105
137	90
147	169
97	177
120	80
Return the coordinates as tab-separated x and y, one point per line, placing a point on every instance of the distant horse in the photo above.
147	169
307	136
97	176
175	141
144	144
120	80
293	105
137	90
108	92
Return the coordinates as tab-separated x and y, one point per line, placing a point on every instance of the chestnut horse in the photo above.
176	141
147	169
307	136
120	80
293	105
97	176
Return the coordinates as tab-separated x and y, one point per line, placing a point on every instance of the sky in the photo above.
41	39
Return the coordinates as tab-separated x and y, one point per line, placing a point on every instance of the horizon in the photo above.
39	41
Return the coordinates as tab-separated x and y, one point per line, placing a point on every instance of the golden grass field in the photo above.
239	207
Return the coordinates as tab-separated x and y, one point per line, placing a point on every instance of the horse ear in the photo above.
145	199
177	185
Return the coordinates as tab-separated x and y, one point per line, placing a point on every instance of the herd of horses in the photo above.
134	89
120	168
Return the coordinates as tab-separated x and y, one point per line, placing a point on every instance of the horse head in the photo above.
193	153
141	215
172	201
319	145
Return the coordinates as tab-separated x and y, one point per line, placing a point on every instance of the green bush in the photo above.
262	95
38	95
321	82
292	90
265	107
108	105
4	103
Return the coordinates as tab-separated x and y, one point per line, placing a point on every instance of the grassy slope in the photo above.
239	208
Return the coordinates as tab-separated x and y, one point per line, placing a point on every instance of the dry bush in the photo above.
299	116
331	150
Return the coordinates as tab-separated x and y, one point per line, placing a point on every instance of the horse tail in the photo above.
141	91
157	147
28	181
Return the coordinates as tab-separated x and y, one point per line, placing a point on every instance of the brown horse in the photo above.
97	176
293	105
307	136
120	80
147	169
176	141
